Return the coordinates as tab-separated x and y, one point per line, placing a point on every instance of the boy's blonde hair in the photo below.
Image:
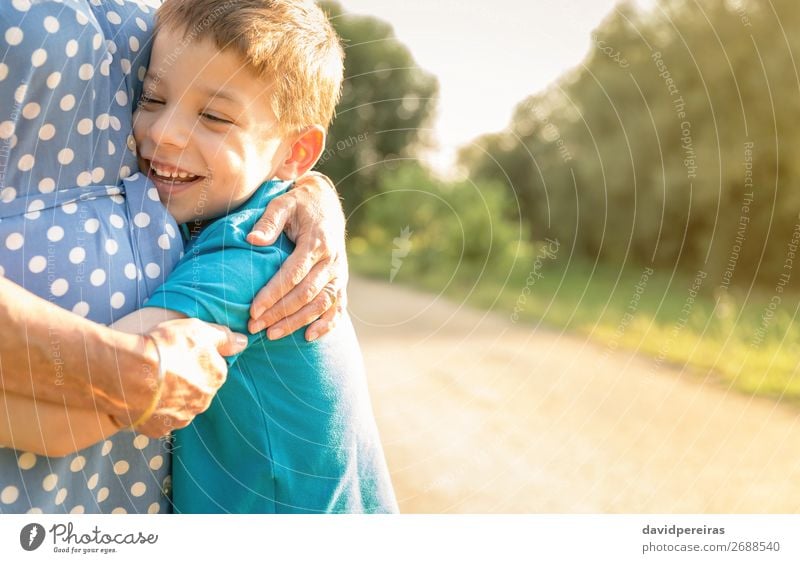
291	43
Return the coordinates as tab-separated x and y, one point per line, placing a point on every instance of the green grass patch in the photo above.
745	340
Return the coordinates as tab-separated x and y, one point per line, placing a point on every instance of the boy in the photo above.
236	104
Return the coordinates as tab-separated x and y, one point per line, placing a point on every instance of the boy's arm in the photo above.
55	430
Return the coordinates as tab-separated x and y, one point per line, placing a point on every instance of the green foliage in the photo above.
640	153
387	101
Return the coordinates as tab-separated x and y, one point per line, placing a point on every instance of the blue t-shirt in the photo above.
292	429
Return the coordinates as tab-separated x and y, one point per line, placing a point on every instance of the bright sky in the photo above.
487	54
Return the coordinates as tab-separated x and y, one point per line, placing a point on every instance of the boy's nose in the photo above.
169	128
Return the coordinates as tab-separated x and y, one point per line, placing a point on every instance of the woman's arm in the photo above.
55	430
49	429
52	355
311	286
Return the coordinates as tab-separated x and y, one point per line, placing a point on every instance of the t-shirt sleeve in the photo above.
219	276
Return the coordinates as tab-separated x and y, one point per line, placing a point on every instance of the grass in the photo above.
744	339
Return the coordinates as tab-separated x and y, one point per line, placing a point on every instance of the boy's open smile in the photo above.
169	179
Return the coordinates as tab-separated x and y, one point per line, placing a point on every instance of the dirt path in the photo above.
479	414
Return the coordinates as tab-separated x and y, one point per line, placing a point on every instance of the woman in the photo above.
79	236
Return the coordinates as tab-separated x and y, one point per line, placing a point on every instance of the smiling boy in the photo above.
237	102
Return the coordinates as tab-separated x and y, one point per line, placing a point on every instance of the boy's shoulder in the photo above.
232	229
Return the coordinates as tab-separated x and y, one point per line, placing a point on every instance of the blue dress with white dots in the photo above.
71	230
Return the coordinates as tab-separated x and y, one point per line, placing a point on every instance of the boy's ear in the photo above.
303	153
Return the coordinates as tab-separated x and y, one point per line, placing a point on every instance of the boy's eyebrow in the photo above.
222	94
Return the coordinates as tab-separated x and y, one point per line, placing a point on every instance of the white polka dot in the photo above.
26	460
21	5
12	142
141	23
77	255
14	241
134	43
102	121
77	464
39	57
141	220
116	221
117	199
84	178
105	68
124	172
131	143
122	98
170	230
111	46
59	287
81	308
117	300
119	510
92	482
86	72
164	243
51	24
49	483
77	509
34	510
116	124
72	48
70	208
140	442
55	233
111	247
130	271
7	129
61	496
138	489
37	264
67	102
152	270
47	185
141	73
31	110
102	494
98	277
3	71
152	193
65	156
121	467
47	132
19	93
153	508
111	149
85	126
97	41
26	162
91	226
156	462
82	18
54	80
9	495
126	66
8	194
113	17
14	36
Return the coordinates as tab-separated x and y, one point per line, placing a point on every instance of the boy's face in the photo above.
205	130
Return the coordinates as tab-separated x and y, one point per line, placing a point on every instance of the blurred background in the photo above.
573	233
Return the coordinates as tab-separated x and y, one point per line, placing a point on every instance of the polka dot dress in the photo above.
78	225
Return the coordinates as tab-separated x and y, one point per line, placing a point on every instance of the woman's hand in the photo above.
311	285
